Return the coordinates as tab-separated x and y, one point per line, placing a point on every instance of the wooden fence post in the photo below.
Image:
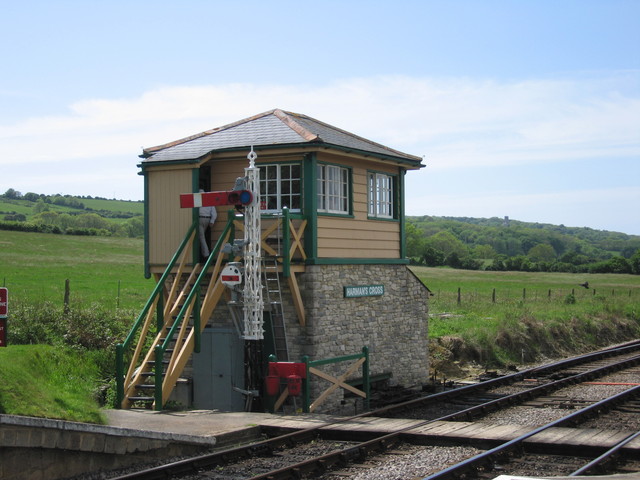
493	296
66	296
458	295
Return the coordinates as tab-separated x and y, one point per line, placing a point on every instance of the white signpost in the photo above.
4	311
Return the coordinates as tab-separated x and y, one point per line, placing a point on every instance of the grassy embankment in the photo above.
49	382
534	315
65	374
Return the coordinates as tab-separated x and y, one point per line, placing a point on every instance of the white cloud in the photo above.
454	122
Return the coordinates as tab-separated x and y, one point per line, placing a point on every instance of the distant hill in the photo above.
70	214
503	244
460	242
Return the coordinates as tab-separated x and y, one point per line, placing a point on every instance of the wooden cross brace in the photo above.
297	242
336	383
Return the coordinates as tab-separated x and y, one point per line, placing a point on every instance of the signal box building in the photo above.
335	272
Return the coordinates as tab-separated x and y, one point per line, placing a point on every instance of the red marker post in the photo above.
4	309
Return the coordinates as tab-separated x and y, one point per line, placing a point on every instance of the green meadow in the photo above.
105	270
495	318
26	207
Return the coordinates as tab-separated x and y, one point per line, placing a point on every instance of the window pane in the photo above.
280	186
380	195
333	189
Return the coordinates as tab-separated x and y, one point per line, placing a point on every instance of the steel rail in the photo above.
322	463
346	455
598	462
486	458
507	379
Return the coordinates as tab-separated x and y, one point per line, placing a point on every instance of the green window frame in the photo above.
334	189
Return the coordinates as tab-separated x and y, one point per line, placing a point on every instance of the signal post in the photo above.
4	309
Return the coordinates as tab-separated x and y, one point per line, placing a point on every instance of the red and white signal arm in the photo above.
4	302
215	199
231	275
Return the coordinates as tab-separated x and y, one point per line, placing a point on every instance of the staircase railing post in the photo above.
160	311
231	215
286	243
306	394
119	375
158	377
271	399
365	377
196	323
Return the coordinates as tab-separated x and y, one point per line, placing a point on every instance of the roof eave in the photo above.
410	161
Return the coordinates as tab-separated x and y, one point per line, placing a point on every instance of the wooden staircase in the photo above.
168	330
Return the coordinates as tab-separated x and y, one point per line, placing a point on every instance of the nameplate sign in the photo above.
363	291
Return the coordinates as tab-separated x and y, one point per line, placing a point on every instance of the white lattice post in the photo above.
253	303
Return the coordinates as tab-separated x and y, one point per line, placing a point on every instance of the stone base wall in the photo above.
393	325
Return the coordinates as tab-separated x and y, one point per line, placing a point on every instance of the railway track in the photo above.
329	451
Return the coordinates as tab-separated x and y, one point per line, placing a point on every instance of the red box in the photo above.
286	369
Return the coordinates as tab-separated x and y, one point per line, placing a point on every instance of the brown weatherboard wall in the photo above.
354	236
168	223
358	236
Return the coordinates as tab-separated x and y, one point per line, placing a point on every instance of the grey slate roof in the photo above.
275	127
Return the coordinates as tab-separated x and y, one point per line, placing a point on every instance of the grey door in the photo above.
217	369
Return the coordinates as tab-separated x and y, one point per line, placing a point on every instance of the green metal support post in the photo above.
196	324
286	243
366	386
160	311
159	351
306	386
119	375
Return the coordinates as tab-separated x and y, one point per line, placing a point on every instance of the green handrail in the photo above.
286	243
157	292
193	294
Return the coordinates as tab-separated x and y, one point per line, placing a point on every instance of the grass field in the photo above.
106	270
537	289
25	207
533	314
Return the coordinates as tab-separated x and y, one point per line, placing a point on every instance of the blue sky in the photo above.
529	109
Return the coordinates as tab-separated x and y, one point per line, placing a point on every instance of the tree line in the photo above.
501	244
83	221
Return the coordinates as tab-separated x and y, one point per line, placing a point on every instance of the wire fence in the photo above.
462	296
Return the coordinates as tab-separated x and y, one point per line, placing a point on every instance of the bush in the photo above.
15	217
28	227
92	327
